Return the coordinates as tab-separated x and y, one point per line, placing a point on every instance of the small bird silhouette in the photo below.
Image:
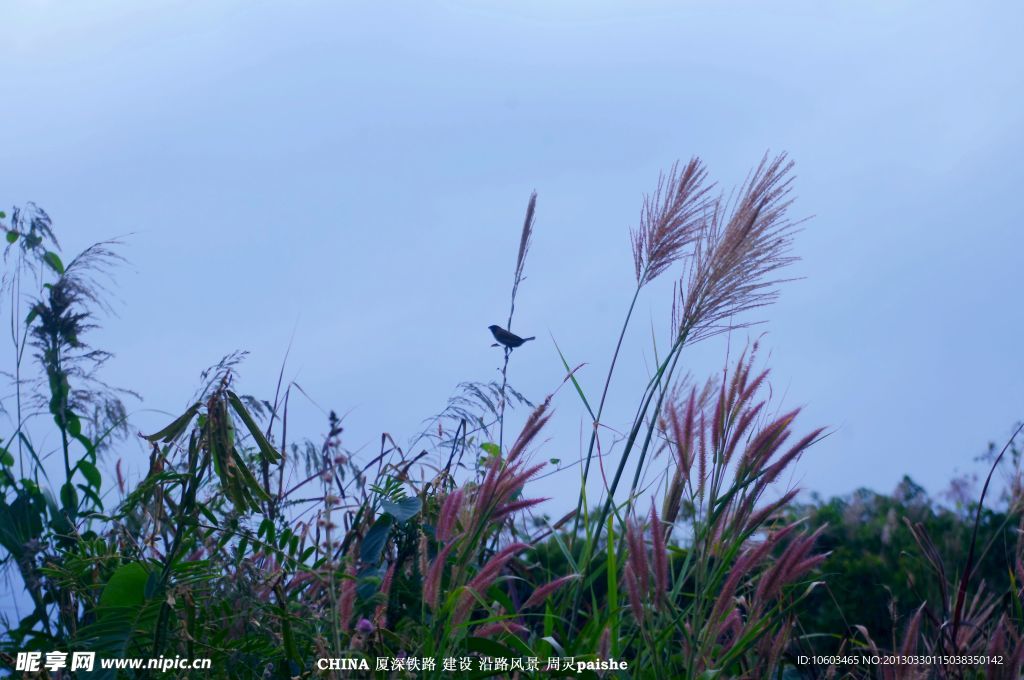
506	338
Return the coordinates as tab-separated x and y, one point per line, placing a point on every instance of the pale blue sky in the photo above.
357	173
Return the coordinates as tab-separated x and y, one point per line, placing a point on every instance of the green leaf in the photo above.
12	235
58	520
51	258
252	486
69	498
74	425
91	495
572	376
373	542
265	528
152	585
90	448
369	580
20	521
403	510
126	587
491	448
271	532
285	536
171	432
266	449
243	543
5	457
91	473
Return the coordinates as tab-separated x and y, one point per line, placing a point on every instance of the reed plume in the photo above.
671	220
736	253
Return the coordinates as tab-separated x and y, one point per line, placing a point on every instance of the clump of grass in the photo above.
265	551
703	588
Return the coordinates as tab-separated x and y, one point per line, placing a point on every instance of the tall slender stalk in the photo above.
600	410
524	247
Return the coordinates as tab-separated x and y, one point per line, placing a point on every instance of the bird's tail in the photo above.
532	337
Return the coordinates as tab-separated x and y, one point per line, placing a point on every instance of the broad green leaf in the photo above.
152	585
90	472
74	425
373	542
69	498
369	580
12	236
51	258
90	448
126	587
402	510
